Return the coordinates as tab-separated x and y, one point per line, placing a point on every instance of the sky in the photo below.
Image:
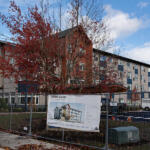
128	22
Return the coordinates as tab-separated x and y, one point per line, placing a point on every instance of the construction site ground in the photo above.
10	141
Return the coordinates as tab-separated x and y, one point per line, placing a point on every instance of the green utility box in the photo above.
123	135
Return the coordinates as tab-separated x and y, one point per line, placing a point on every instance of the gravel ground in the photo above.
14	141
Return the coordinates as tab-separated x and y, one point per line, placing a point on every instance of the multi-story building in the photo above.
92	69
132	74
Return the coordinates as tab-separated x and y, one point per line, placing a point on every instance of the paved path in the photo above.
13	141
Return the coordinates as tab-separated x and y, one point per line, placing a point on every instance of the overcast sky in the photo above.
128	21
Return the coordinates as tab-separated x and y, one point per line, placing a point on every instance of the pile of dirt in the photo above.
32	147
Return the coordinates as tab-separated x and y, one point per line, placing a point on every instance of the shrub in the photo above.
19	109
3	104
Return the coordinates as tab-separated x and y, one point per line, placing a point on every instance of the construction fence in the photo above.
124	121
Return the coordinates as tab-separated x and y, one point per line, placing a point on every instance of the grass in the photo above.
19	120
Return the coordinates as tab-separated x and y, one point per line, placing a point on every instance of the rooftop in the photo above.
121	57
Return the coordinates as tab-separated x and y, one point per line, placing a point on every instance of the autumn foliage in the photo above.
36	53
39	53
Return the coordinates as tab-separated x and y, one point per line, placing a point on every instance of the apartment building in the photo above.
132	74
76	66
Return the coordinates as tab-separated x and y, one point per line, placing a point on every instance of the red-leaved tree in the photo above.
36	53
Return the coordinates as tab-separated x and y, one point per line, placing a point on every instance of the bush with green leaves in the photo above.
3	104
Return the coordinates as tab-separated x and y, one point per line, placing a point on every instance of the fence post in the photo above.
62	134
10	119
30	123
106	134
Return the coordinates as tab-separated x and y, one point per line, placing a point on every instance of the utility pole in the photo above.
60	14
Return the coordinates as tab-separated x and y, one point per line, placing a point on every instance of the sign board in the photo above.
27	87
78	112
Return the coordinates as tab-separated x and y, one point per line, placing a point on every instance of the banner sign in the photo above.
78	112
27	87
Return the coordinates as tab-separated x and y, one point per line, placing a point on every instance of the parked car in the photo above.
146	104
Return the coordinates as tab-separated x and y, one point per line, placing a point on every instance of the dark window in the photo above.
112	95
128	64
120	67
102	58
149	74
148	84
148	95
129	81
103	64
12	100
129	95
22	100
136	71
102	77
69	48
96	58
142	95
37	100
29	100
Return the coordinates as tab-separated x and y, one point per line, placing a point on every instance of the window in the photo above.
136	77
120	62
129	87
22	100
142	95
102	58
142	87
110	60
96	58
121	75
82	67
142	68
136	71
82	50
136	86
102	77
101	68
141	77
12	100
11	61
128	64
69	48
148	95
129	75
120	67
37	100
70	64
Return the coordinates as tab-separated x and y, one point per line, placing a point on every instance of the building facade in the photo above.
91	68
132	74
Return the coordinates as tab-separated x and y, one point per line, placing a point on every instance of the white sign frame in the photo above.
76	112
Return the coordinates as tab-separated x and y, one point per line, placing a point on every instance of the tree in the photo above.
88	14
36	54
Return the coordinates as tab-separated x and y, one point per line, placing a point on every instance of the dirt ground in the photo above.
15	142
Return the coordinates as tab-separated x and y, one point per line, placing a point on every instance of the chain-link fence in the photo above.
124	121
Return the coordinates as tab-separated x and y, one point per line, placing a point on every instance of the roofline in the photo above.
6	42
121	57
